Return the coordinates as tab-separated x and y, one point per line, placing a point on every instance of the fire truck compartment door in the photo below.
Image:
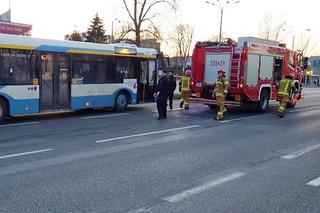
252	72
213	63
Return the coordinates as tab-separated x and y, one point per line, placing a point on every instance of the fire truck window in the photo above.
266	67
252	70
277	70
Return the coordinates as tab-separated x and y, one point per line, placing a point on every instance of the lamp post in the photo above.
115	19
221	6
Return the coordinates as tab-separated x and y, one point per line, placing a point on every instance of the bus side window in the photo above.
15	66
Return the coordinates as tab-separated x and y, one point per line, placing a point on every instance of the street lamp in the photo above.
221	6
115	19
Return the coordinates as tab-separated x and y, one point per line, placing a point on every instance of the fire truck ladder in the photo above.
235	67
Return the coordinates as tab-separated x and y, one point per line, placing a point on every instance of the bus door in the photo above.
55	82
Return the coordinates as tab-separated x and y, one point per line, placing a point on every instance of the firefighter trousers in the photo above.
220	108
185	99
282	105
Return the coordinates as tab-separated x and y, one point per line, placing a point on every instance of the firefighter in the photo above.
285	86
162	97
220	92
185	89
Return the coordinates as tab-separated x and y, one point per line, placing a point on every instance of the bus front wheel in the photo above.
3	110
121	102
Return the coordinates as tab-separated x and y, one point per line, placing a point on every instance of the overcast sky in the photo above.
55	18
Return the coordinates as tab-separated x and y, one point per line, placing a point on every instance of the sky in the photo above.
54	18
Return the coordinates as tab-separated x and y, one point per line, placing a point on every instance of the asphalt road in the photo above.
101	161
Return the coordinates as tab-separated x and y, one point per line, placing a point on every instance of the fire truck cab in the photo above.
253	66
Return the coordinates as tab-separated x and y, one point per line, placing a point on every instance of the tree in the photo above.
75	36
272	27
142	14
306	44
182	38
96	31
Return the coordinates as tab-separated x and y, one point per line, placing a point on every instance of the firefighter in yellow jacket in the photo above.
220	92
185	89
285	86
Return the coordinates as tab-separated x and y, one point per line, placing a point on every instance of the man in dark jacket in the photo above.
162	96
172	84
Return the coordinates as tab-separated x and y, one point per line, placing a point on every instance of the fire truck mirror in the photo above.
305	63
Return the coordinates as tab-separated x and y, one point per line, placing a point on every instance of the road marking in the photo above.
301	152
186	193
104	116
304	109
245	118
315	182
19	124
25	153
147	133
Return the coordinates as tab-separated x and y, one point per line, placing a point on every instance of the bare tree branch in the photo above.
182	38
144	11
272	27
127	9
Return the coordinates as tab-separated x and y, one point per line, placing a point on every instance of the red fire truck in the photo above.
253	66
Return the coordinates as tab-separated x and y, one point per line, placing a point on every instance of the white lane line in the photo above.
147	133
19	124
184	194
315	182
25	153
304	109
245	118
104	116
301	152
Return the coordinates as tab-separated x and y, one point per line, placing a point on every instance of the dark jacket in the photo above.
162	87
172	84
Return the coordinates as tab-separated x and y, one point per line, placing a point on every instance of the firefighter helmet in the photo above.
187	73
221	71
290	76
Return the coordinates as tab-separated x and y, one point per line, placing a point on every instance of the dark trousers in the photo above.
162	106
170	99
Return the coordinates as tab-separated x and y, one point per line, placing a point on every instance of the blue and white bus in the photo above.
40	75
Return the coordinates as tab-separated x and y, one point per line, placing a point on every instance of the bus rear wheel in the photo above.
3	110
121	102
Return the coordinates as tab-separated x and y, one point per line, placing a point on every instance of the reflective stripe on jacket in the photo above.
185	83
221	88
284	87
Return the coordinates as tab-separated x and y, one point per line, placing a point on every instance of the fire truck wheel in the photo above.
264	101
213	107
3	110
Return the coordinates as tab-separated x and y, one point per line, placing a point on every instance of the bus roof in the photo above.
48	45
